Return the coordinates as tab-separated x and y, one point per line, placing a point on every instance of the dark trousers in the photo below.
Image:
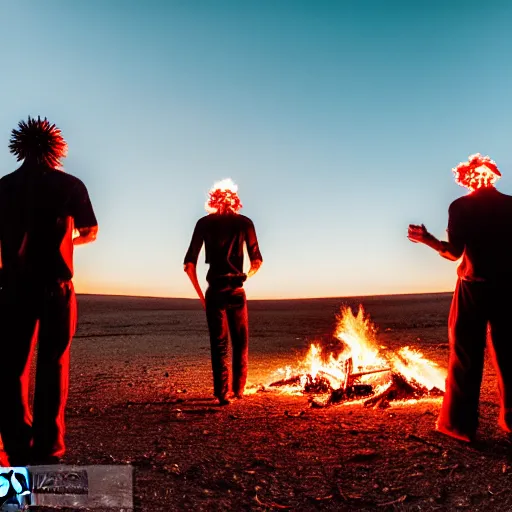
475	307
46	314
226	313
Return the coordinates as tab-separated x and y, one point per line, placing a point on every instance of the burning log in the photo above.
325	375
356	367
400	389
321	384
397	388
318	385
354	376
291	381
351	393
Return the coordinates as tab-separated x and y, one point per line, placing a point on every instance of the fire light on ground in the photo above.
356	367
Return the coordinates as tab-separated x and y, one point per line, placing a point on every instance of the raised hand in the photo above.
418	234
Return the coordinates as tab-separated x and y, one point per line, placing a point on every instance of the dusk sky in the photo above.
339	120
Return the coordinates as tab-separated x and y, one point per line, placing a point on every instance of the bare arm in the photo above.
448	250
190	269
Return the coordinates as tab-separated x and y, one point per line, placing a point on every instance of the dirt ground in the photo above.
141	394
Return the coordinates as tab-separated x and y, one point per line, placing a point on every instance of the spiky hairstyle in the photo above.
478	172
39	140
223	198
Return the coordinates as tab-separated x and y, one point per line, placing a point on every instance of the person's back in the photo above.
43	214
224	232
39	207
479	229
482	222
224	238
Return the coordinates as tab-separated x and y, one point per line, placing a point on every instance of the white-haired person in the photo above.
44	212
479	232
224	232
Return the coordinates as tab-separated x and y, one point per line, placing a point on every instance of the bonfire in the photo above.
354	366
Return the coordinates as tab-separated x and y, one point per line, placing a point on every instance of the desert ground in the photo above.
141	394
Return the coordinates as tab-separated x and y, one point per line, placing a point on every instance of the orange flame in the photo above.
416	368
358	334
359	355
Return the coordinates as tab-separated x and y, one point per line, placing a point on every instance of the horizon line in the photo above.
122	295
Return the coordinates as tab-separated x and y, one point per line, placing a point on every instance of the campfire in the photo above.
353	366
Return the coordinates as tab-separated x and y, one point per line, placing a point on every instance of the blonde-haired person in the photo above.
479	232
224	232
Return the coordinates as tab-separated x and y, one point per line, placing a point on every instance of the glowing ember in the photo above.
479	171
223	196
358	367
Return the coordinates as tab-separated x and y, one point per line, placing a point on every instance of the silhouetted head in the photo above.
477	173
39	142
223	198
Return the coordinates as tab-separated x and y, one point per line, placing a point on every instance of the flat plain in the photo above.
141	394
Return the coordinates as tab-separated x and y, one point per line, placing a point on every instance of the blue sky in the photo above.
340	121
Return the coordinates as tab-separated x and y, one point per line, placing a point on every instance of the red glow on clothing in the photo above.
478	172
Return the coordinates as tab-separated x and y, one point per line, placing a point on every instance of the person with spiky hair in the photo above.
224	233
479	228
44	213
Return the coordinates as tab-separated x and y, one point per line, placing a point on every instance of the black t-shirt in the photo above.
224	236
39	208
480	229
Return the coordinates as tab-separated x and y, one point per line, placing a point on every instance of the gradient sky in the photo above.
339	120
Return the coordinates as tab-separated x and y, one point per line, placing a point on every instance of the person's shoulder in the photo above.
69	180
503	202
204	221
9	180
460	203
479	197
506	197
5	179
245	220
